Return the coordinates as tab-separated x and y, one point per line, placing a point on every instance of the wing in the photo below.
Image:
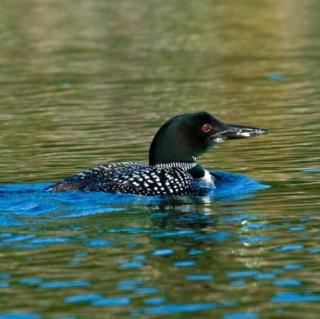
84	180
150	180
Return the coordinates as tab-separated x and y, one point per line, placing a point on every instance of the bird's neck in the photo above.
171	146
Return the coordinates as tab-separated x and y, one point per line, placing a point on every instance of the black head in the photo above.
186	136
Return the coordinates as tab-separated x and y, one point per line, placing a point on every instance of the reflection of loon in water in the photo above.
172	168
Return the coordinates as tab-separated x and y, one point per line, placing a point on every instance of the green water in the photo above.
87	82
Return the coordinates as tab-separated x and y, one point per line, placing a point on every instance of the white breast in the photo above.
207	180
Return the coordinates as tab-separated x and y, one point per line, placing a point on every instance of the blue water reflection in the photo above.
295	297
19	315
30	200
145	253
172	309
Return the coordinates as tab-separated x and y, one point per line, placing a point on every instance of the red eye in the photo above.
206	128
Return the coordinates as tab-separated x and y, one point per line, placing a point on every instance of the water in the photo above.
86	82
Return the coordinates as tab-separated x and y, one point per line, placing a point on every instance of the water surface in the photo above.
87	82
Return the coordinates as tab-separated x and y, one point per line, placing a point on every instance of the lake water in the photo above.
87	82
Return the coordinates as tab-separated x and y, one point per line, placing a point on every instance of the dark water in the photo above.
86	82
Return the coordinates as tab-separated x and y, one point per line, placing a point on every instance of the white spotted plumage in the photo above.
134	178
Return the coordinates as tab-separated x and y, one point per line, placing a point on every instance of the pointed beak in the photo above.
232	132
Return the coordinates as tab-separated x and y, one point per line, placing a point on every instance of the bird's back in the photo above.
103	172
133	178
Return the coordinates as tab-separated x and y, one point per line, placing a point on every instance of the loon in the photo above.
173	168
